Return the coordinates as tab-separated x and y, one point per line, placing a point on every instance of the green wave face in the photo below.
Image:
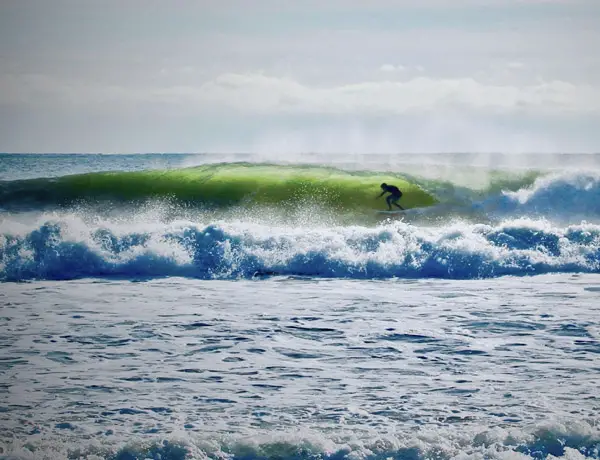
223	186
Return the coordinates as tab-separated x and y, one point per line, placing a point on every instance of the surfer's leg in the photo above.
394	199
388	200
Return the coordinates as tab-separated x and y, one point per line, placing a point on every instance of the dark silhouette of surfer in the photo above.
395	195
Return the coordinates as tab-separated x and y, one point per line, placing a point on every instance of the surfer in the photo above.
394	196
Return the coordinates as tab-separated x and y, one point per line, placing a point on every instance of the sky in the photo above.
283	76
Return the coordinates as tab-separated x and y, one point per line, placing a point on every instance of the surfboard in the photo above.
403	212
392	212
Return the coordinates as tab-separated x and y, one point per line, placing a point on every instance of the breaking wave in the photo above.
517	226
67	249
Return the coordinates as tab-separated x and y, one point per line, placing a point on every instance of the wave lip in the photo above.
63	250
571	195
218	186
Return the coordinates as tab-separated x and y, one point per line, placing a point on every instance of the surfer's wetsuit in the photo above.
395	195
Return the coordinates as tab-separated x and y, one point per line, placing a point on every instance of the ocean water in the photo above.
169	306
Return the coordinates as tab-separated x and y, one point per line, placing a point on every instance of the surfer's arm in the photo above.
381	194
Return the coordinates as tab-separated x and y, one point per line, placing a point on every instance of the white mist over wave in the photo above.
431	165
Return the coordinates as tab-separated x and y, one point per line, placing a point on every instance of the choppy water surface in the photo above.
372	368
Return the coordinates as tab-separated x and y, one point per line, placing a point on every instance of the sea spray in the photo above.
72	248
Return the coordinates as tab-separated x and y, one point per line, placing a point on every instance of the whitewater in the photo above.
242	307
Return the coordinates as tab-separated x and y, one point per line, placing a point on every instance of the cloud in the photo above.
263	94
238	5
392	68
387	68
258	93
